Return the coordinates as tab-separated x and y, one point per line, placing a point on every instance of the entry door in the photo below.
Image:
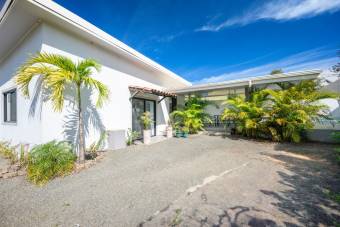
150	107
137	111
139	106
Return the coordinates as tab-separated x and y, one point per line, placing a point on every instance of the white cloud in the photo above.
168	38
319	58
279	10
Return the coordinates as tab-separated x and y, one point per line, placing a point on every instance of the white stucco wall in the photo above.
27	128
117	73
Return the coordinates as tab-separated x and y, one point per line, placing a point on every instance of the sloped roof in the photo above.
58	15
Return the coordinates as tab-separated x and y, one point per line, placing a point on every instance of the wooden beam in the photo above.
162	99
133	95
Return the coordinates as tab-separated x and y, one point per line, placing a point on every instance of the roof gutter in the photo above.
5	9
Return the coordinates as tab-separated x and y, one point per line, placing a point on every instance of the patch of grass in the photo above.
177	219
335	196
50	160
8	152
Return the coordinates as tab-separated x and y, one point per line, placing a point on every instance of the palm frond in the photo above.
103	91
87	64
55	60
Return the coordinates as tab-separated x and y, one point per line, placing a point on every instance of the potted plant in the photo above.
185	132
178	132
146	122
169	131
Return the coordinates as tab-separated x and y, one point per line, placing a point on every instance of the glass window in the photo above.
10	106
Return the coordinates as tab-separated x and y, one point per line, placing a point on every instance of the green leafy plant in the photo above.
247	115
192	116
282	114
131	136
56	72
50	160
146	120
93	149
185	129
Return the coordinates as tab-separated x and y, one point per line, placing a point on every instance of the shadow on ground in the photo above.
298	194
313	176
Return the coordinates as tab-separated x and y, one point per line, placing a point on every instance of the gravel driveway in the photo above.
199	181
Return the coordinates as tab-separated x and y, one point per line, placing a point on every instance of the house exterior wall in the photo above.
27	128
216	98
117	73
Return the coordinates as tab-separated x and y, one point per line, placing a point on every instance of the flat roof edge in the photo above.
254	80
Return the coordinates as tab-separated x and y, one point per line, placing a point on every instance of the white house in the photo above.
30	26
136	83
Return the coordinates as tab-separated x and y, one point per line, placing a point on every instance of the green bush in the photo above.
50	160
283	115
192	117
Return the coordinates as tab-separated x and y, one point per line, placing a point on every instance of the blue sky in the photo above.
214	40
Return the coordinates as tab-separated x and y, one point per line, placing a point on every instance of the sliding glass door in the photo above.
139	106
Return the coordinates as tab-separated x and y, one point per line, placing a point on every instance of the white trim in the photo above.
5	10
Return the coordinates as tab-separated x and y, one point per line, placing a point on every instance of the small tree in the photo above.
56	73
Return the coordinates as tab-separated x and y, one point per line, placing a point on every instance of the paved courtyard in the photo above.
199	181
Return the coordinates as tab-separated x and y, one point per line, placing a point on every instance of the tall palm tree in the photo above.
56	72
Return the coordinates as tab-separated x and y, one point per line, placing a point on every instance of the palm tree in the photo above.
281	114
193	115
248	115
56	72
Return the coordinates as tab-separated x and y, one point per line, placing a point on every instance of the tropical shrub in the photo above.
50	160
131	136
146	120
192	117
282	114
247	115
93	149
295	109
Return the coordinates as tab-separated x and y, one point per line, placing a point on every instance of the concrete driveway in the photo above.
199	181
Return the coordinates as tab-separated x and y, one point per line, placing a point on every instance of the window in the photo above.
10	106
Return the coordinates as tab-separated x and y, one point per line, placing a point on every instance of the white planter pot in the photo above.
169	132
146	136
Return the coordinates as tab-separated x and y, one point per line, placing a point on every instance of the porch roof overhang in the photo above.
153	91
